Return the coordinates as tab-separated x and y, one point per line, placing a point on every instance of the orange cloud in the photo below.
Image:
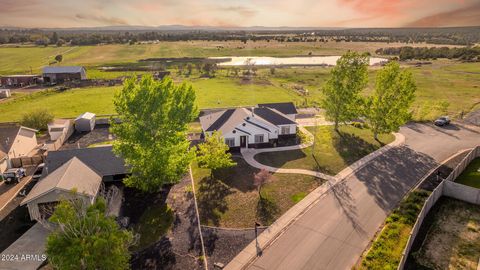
467	16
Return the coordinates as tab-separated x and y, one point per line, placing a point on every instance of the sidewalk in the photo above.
248	255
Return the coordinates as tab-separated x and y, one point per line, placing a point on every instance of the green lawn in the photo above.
471	175
333	151
70	103
387	248
231	200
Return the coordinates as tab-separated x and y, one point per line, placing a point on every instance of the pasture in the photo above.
456	83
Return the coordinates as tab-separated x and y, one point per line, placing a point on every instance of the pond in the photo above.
286	61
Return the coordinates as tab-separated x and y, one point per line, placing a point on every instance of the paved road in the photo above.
337	229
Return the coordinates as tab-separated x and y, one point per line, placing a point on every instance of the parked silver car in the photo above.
14	175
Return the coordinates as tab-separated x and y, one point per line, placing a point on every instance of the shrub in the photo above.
38	119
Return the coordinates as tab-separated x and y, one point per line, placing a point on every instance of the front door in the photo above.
243	141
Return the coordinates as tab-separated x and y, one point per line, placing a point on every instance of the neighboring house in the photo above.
3	161
101	159
72	175
19	80
81	169
16	141
250	127
62	73
85	122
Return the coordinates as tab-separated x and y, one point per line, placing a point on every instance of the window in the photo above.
230	142
259	138
285	130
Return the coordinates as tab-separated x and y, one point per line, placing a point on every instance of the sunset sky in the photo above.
308	13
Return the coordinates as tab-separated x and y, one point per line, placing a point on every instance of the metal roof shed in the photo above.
85	122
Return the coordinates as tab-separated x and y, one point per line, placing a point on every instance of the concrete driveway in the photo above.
335	231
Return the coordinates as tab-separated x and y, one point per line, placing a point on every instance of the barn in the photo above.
19	80
52	75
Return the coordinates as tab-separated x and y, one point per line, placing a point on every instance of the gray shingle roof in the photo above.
100	159
8	132
284	107
272	116
74	174
62	69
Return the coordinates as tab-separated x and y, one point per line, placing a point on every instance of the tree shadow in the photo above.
239	176
158	256
390	177
267	211
351	147
211	200
279	159
343	197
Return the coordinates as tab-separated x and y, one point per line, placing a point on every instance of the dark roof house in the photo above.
285	107
100	159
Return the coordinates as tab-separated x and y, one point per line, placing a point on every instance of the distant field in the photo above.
444	80
26	59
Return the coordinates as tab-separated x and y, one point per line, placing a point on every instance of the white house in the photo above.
15	141
250	127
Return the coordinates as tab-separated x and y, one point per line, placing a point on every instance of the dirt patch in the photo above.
453	239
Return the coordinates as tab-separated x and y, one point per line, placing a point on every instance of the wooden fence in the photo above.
26	161
446	188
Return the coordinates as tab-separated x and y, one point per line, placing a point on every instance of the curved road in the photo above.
335	231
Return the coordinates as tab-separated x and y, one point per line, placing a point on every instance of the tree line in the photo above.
424	53
453	36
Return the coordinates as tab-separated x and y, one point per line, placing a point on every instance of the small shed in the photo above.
5	93
85	122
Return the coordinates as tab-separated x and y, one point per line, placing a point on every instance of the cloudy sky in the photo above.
314	13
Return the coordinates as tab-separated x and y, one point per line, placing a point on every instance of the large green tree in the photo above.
349	77
213	153
151	131
85	238
389	107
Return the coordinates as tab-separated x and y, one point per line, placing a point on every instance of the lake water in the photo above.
287	61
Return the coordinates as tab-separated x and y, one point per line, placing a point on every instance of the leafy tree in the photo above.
85	238
389	107
54	38
350	76
260	179
37	119
151	133
213	153
59	58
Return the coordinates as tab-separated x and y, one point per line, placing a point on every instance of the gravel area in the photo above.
100	134
222	245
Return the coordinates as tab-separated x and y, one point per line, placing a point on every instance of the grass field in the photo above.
387	248
231	200
471	175
453	240
32	58
445	80
333	151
